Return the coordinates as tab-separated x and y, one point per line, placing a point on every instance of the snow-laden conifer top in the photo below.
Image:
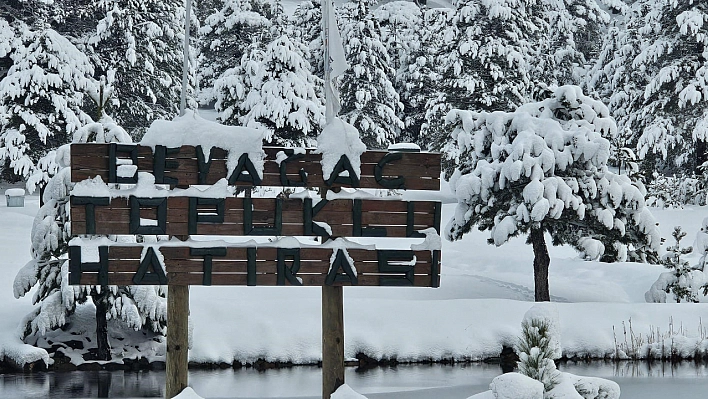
548	314
191	129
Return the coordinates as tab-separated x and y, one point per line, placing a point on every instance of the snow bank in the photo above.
19	354
16	248
519	386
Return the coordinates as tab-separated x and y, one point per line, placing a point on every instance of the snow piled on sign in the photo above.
339	138
192	129
146	188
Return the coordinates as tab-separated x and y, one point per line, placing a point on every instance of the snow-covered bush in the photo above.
543	168
685	283
538	377
139	307
539	345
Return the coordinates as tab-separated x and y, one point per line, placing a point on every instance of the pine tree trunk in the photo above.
104	350
541	261
701	155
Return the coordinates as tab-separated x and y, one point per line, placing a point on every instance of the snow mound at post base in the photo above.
346	392
188	393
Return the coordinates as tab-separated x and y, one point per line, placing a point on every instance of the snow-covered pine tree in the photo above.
543	169
653	77
617	83
306	24
618	6
48	269
34	13
137	306
227	31
369	100
40	104
573	41
283	96
411	35
684	282
401	23
539	346
138	45
9	43
418	80
232	87
487	60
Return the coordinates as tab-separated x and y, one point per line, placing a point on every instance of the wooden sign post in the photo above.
332	264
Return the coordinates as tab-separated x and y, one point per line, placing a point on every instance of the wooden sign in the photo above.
306	266
183	216
331	265
180	216
187	165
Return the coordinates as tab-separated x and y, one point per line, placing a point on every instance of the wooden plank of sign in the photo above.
125	279
184	268
420	170
340	215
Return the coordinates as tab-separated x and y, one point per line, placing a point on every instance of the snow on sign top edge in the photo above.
339	138
192	129
284	242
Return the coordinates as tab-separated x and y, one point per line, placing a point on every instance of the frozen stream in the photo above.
637	380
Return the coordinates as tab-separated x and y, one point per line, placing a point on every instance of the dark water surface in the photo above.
643	380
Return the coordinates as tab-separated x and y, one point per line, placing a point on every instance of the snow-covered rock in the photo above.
516	386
